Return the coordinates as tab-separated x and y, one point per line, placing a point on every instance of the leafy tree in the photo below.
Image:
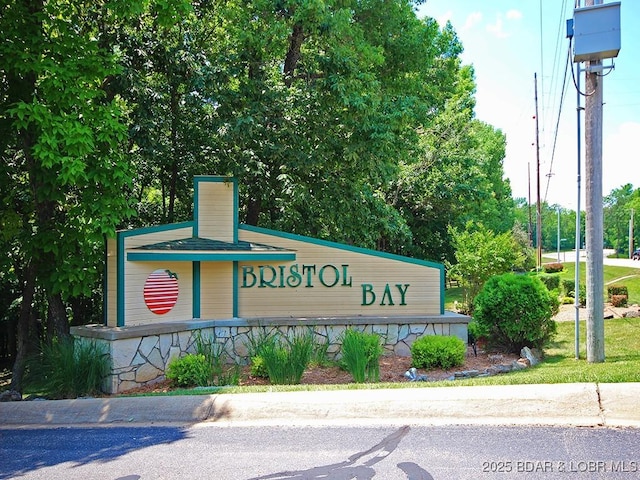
617	212
63	155
481	254
457	176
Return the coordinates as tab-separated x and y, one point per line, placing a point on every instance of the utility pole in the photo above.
593	193
631	242
539	207
576	293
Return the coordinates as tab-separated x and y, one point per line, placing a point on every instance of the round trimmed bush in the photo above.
514	311
433	351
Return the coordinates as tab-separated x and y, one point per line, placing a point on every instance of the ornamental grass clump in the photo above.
69	368
437	351
286	359
361	355
256	346
224	370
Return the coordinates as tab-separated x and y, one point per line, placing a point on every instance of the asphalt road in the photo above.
330	452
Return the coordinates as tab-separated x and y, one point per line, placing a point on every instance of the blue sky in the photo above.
507	42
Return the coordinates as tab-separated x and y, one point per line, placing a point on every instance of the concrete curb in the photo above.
576	404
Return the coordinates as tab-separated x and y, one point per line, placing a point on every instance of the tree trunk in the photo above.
253	211
293	54
57	320
23	333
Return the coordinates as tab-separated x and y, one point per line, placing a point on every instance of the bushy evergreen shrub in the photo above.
514	311
436	351
361	355
190	370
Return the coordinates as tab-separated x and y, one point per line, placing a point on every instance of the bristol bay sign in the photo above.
213	267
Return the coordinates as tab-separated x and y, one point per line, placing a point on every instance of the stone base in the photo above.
140	354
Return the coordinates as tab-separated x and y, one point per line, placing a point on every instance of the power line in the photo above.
555	137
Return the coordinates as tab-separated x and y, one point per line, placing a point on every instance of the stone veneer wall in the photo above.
140	354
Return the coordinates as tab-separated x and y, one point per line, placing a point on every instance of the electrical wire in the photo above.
573	75
555	138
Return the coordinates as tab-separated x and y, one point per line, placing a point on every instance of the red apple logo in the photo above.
161	291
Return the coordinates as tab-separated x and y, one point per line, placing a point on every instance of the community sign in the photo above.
214	268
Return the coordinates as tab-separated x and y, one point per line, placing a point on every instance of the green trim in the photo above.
155	229
196	289
350	248
236	298
235	211
442	280
225	256
105	284
120	279
341	246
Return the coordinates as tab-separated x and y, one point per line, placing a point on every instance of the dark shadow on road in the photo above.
24	451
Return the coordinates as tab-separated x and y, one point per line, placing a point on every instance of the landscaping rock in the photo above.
530	356
10	396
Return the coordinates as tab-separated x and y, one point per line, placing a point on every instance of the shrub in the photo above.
286	360
361	355
190	370
617	290
619	300
435	351
514	311
69	368
553	267
552	282
569	287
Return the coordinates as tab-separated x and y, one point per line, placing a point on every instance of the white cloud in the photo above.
497	28
472	20
619	154
444	18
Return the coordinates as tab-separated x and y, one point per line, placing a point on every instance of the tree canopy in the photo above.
348	120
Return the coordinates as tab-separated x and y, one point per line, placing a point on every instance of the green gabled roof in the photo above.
206	249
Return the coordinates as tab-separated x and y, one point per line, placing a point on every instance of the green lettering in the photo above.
402	291
267	282
247	273
281	268
294	279
308	269
387	294
345	275
336	272
368	295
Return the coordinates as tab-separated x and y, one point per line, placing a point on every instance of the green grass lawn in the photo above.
628	276
622	363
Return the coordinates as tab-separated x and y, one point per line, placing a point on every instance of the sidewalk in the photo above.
576	404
